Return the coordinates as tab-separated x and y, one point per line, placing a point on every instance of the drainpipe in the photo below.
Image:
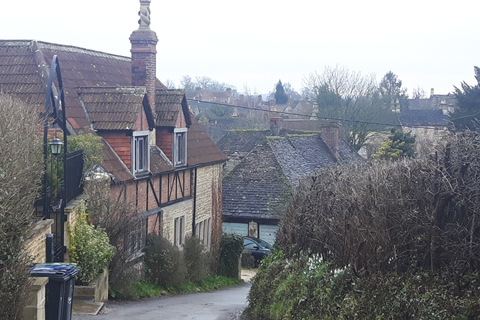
194	202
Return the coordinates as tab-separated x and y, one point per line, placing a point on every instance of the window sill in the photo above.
142	174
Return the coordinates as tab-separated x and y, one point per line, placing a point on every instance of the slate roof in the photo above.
241	141
255	188
260	183
435	102
411	118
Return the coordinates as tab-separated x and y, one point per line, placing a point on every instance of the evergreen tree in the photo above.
280	96
391	91
468	97
398	145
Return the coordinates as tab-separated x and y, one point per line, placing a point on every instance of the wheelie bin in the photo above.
59	290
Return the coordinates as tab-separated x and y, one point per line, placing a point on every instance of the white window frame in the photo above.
179	231
203	231
143	138
180	156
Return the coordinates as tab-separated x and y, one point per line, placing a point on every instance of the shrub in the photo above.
307	289
196	261
248	261
231	246
163	263
90	249
117	218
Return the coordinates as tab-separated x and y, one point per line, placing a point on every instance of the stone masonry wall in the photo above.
35	244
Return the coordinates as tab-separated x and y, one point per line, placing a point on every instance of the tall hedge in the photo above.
407	215
20	177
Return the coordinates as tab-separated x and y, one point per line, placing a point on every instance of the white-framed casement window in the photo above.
180	146
140	152
179	231
203	231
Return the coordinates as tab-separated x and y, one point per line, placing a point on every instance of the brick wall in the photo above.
120	144
144	42
164	141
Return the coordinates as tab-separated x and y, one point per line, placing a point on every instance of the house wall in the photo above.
121	144
164	141
175	192
209	199
427	138
176	210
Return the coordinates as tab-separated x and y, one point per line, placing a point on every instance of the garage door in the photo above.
267	233
236	228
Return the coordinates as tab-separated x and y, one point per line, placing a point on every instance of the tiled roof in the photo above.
201	149
241	141
255	188
272	165
168	104
24	66
435	102
98	93
301	155
423	118
113	108
113	165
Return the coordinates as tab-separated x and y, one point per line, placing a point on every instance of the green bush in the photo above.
231	247
90	249
196	261
307	289
163	262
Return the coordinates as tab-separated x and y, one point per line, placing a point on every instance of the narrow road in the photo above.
224	304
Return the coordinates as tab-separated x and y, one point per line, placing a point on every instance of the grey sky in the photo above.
428	44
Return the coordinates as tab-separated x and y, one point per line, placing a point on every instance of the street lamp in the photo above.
56	146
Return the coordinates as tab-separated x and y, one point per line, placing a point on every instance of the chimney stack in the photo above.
144	51
330	137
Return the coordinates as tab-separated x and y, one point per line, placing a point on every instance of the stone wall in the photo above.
35	245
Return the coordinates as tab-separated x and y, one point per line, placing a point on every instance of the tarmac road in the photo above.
225	304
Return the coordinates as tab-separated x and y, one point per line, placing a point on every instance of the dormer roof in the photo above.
169	103
115	108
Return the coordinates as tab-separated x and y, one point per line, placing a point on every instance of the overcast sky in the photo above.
254	43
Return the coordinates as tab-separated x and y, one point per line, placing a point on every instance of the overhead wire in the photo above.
315	116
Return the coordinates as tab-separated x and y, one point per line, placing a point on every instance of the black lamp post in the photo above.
55	112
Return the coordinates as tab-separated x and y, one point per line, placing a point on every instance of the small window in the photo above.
179	231
140	152
135	239
180	147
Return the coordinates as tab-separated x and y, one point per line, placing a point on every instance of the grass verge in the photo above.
143	289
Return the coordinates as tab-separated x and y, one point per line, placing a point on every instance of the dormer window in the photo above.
140	152
180	147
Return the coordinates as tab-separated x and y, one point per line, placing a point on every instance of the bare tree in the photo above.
169	84
418	93
187	84
351	99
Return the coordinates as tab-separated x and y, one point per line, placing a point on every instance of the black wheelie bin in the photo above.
59	290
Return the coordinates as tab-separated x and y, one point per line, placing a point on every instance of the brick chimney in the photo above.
144	51
330	137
